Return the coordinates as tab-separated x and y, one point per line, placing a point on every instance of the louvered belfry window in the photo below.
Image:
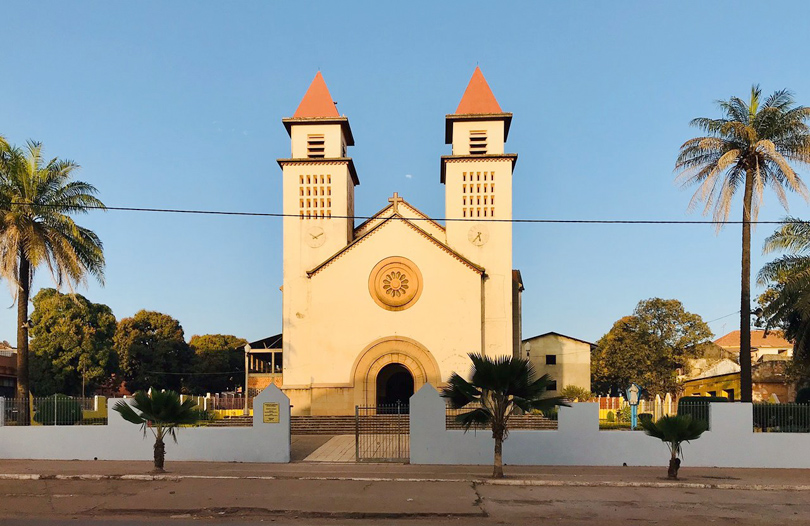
478	142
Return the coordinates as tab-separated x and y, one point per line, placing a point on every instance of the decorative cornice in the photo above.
323	161
512	157
308	121
450	118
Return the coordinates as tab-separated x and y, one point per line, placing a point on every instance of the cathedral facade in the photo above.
374	310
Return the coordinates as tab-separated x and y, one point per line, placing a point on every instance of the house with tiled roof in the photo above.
770	343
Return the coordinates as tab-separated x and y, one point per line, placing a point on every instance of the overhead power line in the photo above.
445	219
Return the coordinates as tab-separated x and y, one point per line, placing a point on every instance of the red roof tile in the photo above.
478	98
317	102
758	339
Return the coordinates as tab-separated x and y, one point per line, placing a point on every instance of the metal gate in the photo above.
382	433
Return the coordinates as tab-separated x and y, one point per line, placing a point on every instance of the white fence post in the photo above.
2	411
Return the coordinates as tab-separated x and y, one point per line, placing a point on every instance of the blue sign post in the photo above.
633	396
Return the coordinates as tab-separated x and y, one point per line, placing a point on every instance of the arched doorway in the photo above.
394	385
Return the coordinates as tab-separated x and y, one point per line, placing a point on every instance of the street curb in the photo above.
478	481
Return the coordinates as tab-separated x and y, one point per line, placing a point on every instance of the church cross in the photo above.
395	200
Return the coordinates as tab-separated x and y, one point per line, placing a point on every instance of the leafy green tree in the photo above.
161	413
37	198
219	363
674	431
152	351
750	146
648	347
71	344
498	387
786	301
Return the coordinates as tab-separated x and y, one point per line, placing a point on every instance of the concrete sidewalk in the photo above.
652	477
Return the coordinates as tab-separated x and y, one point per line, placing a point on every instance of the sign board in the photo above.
270	413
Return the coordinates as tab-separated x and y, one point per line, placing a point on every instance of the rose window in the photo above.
395	283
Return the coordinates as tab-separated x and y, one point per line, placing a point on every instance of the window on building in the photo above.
730	394
552	385
478	142
316	147
551	359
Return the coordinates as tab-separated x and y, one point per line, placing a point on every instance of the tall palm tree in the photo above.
497	388
36	198
788	299
750	146
160	412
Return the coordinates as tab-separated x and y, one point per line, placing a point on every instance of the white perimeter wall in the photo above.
122	440
579	442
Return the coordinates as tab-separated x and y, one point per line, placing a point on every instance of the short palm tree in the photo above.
750	147
788	300
160	412
498	387
37	197
674	431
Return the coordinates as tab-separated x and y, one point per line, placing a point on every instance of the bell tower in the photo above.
478	190
318	181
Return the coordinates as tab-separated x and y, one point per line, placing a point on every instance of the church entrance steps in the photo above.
322	425
230	421
345	425
338	449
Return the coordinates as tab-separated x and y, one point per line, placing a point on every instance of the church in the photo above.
374	310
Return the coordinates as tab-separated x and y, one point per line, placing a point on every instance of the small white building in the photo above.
565	359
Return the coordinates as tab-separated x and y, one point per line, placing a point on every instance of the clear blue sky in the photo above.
178	104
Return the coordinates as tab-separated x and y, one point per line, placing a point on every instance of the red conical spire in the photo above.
317	101
478	98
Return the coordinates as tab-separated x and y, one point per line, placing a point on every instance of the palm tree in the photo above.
674	431
497	388
36	198
160	412
787	301
751	147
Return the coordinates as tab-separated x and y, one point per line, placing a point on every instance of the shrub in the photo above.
623	414
551	414
58	409
611	417
575	392
803	396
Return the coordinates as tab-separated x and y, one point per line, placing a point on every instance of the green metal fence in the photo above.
782	418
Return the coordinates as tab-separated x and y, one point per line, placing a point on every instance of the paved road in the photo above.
297	502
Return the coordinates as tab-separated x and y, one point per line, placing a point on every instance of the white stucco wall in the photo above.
338	318
579	442
122	440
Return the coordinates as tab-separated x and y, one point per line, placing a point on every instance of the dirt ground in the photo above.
300	493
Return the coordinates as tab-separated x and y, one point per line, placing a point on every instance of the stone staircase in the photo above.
230	421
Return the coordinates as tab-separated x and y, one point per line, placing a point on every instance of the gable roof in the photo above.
478	97
408	223
552	333
379	217
758	339
317	102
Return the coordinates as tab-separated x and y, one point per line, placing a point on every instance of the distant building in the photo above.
723	379
263	364
762	344
8	369
565	359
